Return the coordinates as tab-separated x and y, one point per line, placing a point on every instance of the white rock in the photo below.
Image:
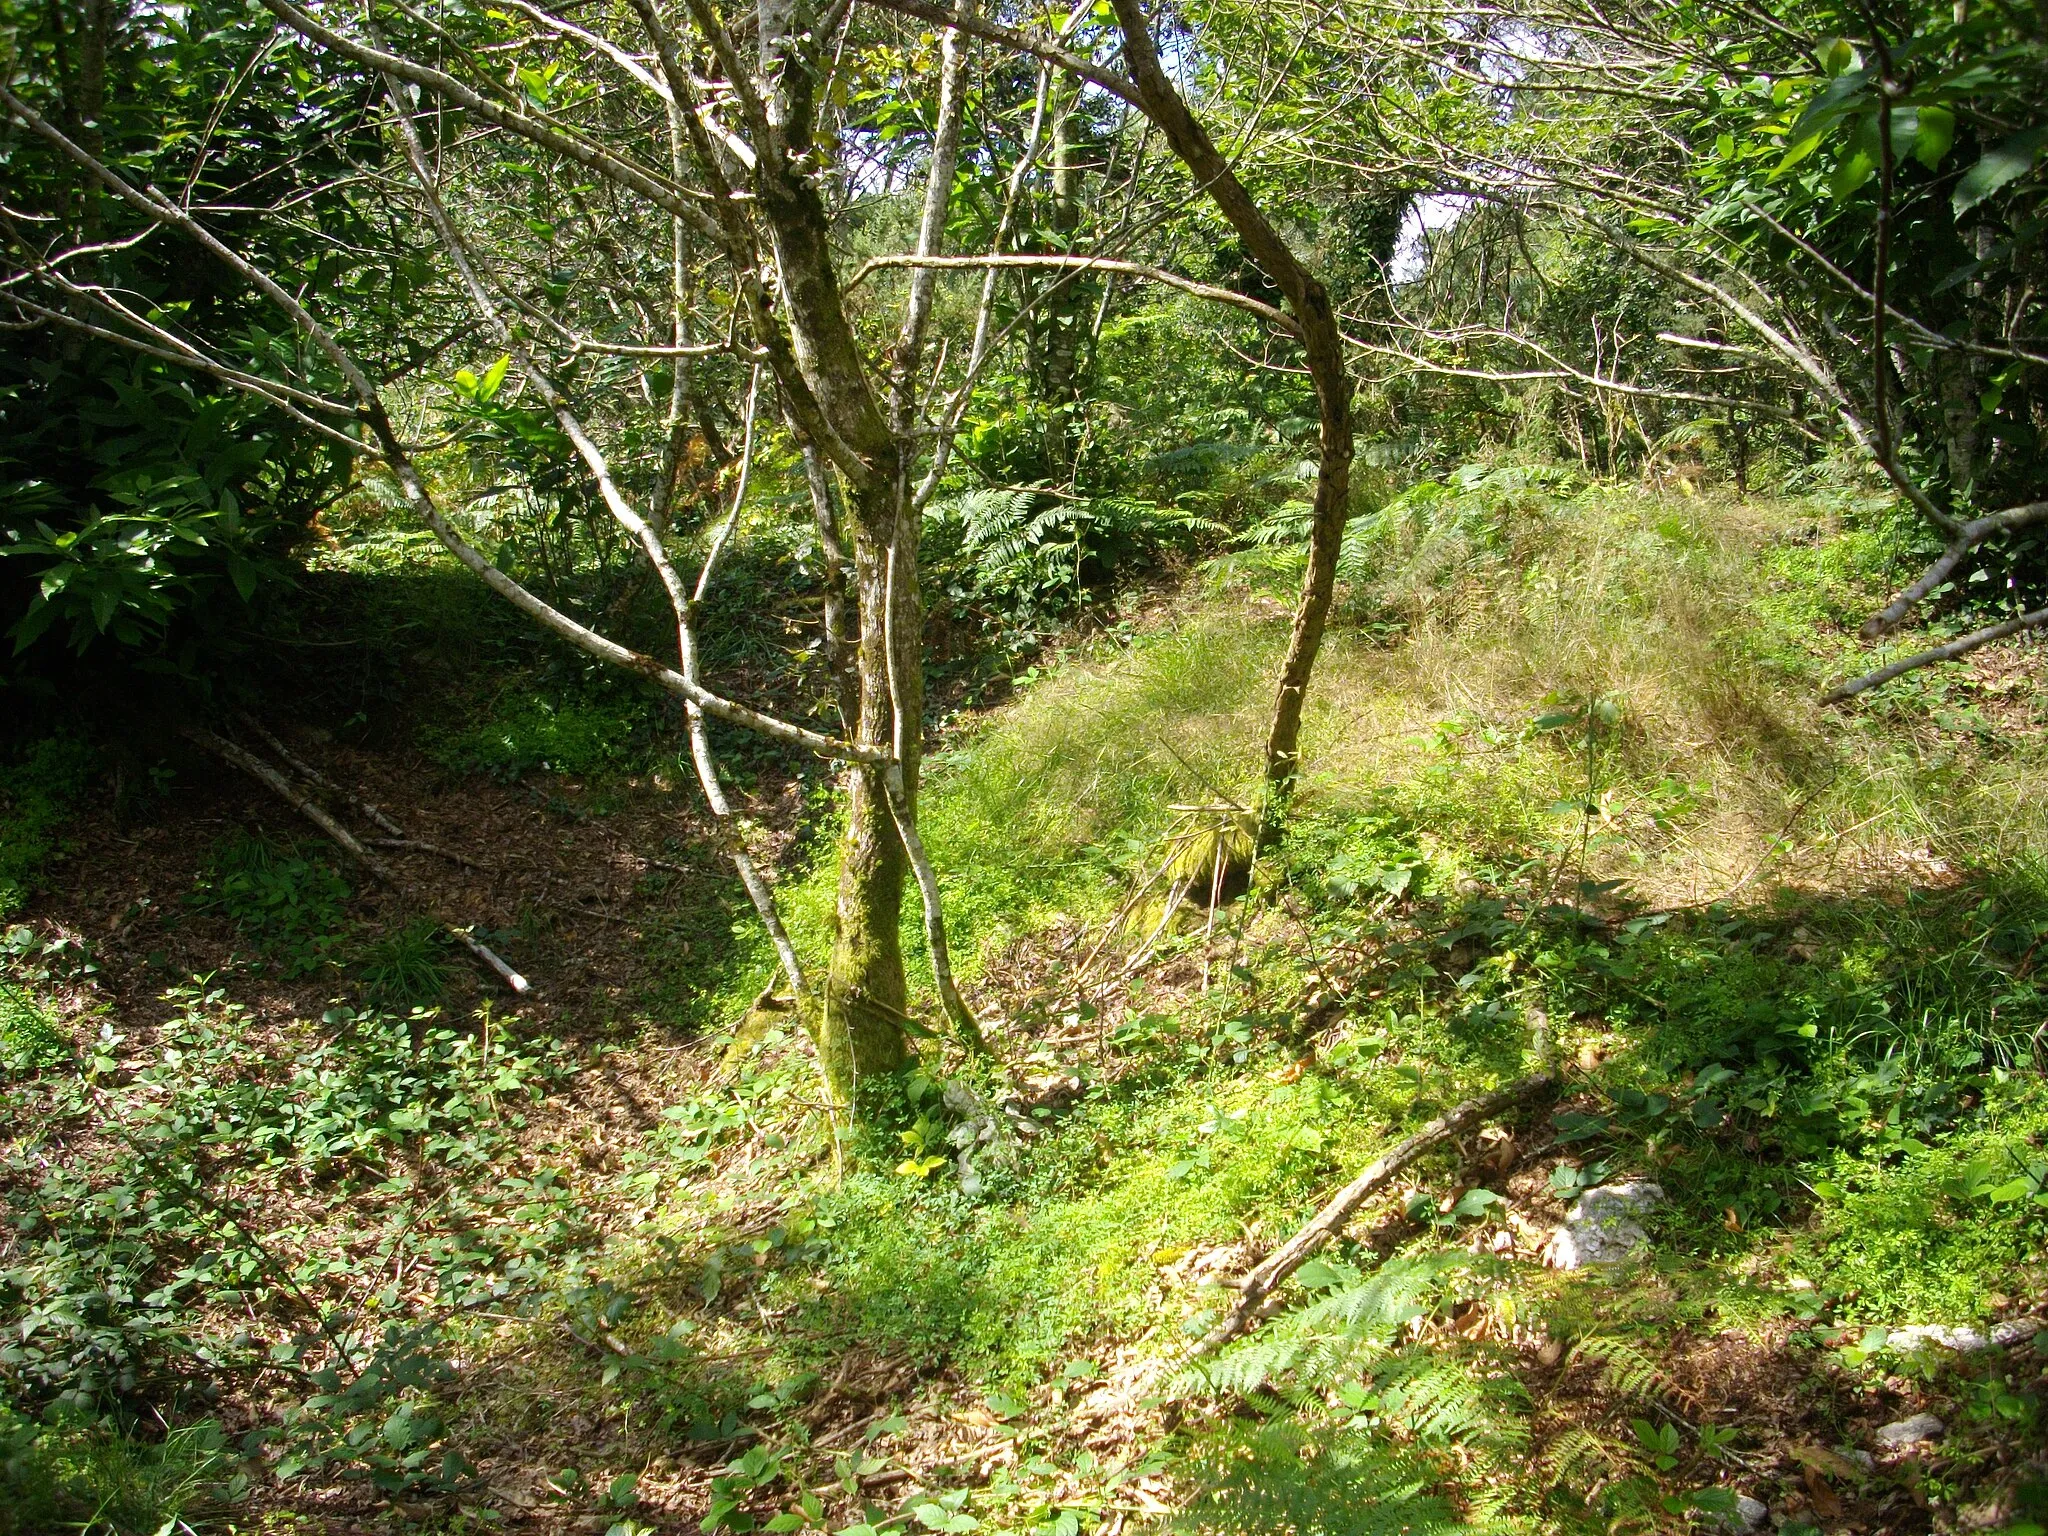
1964	1341
1921	1427
1601	1226
1748	1515
2015	1330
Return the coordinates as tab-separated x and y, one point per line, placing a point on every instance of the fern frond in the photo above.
1312	1348
1283	1480
1627	1371
1578	1462
1455	1400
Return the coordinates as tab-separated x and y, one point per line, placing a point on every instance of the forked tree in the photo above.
702	146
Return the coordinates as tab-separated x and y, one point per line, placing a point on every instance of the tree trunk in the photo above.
860	1031
1316	324
1068	306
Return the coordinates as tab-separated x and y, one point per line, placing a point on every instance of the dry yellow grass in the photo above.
1708	625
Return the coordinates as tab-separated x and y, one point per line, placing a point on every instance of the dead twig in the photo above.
1263	1280
319	780
269	777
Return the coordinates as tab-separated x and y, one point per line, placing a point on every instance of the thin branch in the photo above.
656	189
642	532
739	496
1208	291
1927	658
1038	48
1967	538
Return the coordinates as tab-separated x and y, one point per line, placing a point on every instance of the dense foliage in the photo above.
655	875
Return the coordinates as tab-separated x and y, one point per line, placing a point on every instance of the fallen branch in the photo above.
414	845
1960	646
1250	1308
278	784
396	839
319	780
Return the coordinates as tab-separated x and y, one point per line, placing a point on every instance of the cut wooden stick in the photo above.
279	785
414	845
319	780
1258	1286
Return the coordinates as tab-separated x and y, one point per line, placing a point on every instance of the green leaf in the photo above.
1798	152
2007	1193
1937	133
2006	163
494	376
1573	1126
1475	1201
1850	175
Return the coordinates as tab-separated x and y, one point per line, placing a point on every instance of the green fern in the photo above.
1578	1462
1457	1399
1416	552
1284	1479
1302	1352
1390	1411
1028	547
1626	1371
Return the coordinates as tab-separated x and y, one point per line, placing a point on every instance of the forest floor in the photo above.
358	1241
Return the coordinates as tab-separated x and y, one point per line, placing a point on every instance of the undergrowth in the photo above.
1566	802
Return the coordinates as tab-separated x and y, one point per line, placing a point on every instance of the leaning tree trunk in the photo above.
1323	343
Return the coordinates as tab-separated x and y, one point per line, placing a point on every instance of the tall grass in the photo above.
1708	625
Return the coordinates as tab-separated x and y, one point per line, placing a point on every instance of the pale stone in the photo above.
1919	1428
1601	1227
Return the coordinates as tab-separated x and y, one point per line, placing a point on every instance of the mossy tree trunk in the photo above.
860	1033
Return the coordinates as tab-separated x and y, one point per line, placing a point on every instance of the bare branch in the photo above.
1230	296
1961	646
1967	538
656	189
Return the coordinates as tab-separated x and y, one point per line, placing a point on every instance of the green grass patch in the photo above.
85	1475
606	728
42	786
